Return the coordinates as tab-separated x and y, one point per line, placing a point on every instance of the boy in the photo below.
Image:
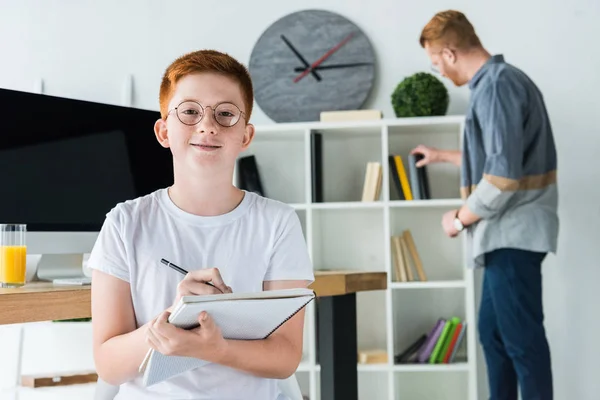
234	239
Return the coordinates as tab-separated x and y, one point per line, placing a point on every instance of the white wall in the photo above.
86	49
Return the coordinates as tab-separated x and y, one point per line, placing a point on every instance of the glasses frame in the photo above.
213	108
452	51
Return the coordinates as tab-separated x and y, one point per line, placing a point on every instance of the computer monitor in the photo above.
64	164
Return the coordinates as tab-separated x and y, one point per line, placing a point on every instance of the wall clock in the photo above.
311	61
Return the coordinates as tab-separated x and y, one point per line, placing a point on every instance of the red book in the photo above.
452	343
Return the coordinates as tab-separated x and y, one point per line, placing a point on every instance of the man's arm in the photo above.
451	156
278	355
119	348
466	216
502	125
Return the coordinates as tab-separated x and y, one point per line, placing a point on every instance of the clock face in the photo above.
311	61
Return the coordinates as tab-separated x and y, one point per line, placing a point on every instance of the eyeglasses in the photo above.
190	112
435	68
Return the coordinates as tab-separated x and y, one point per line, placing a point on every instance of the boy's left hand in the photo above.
205	342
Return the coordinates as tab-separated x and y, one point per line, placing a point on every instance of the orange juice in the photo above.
12	265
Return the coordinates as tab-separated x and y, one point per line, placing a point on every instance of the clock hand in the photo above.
287	42
334	66
323	58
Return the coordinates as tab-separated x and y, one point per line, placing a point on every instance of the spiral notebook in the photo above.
242	316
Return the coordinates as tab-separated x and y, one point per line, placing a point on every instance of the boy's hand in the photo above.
205	342
201	282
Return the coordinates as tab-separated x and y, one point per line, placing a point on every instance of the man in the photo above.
236	240
508	177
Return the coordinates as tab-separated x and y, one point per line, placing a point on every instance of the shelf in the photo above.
345	154
452	284
441	256
281	166
426	203
346	205
461	366
434	122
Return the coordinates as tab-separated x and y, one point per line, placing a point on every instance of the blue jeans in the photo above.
511	326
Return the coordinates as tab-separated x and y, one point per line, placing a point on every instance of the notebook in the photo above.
242	316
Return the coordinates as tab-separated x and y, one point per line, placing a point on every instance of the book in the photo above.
404	182
394	177
316	167
423	179
409	354
372	182
413	174
248	175
432	338
240	316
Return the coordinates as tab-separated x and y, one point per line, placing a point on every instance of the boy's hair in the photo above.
205	61
451	28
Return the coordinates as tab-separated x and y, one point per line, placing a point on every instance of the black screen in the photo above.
65	163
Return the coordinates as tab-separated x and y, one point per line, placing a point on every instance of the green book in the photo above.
453	324
442	339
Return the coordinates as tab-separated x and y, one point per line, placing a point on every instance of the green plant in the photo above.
419	95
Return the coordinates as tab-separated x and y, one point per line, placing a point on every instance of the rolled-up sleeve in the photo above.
501	111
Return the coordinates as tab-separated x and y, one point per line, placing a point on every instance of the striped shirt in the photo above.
508	174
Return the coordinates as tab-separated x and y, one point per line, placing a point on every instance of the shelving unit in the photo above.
342	232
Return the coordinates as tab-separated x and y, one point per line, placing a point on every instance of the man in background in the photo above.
508	178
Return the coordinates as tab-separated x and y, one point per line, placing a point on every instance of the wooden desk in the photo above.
337	339
41	301
337	328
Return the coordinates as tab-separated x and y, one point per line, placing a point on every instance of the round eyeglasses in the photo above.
190	112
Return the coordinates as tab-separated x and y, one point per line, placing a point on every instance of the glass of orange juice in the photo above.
13	251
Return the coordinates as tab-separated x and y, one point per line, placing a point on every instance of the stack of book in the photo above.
413	185
439	346
407	263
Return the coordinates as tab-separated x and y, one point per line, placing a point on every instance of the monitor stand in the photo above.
57	267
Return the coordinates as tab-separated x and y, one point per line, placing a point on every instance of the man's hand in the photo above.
433	155
202	282
430	155
205	342
448	223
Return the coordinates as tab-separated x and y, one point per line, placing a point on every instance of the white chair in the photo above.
289	387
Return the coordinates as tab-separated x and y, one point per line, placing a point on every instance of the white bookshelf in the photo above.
344	233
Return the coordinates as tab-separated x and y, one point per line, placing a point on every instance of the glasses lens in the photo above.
227	114
189	112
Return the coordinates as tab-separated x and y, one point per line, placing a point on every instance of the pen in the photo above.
181	270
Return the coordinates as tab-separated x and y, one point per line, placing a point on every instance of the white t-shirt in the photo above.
260	240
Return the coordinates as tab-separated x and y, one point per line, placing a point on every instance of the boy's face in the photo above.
197	128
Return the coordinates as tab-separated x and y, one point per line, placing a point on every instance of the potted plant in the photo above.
419	95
